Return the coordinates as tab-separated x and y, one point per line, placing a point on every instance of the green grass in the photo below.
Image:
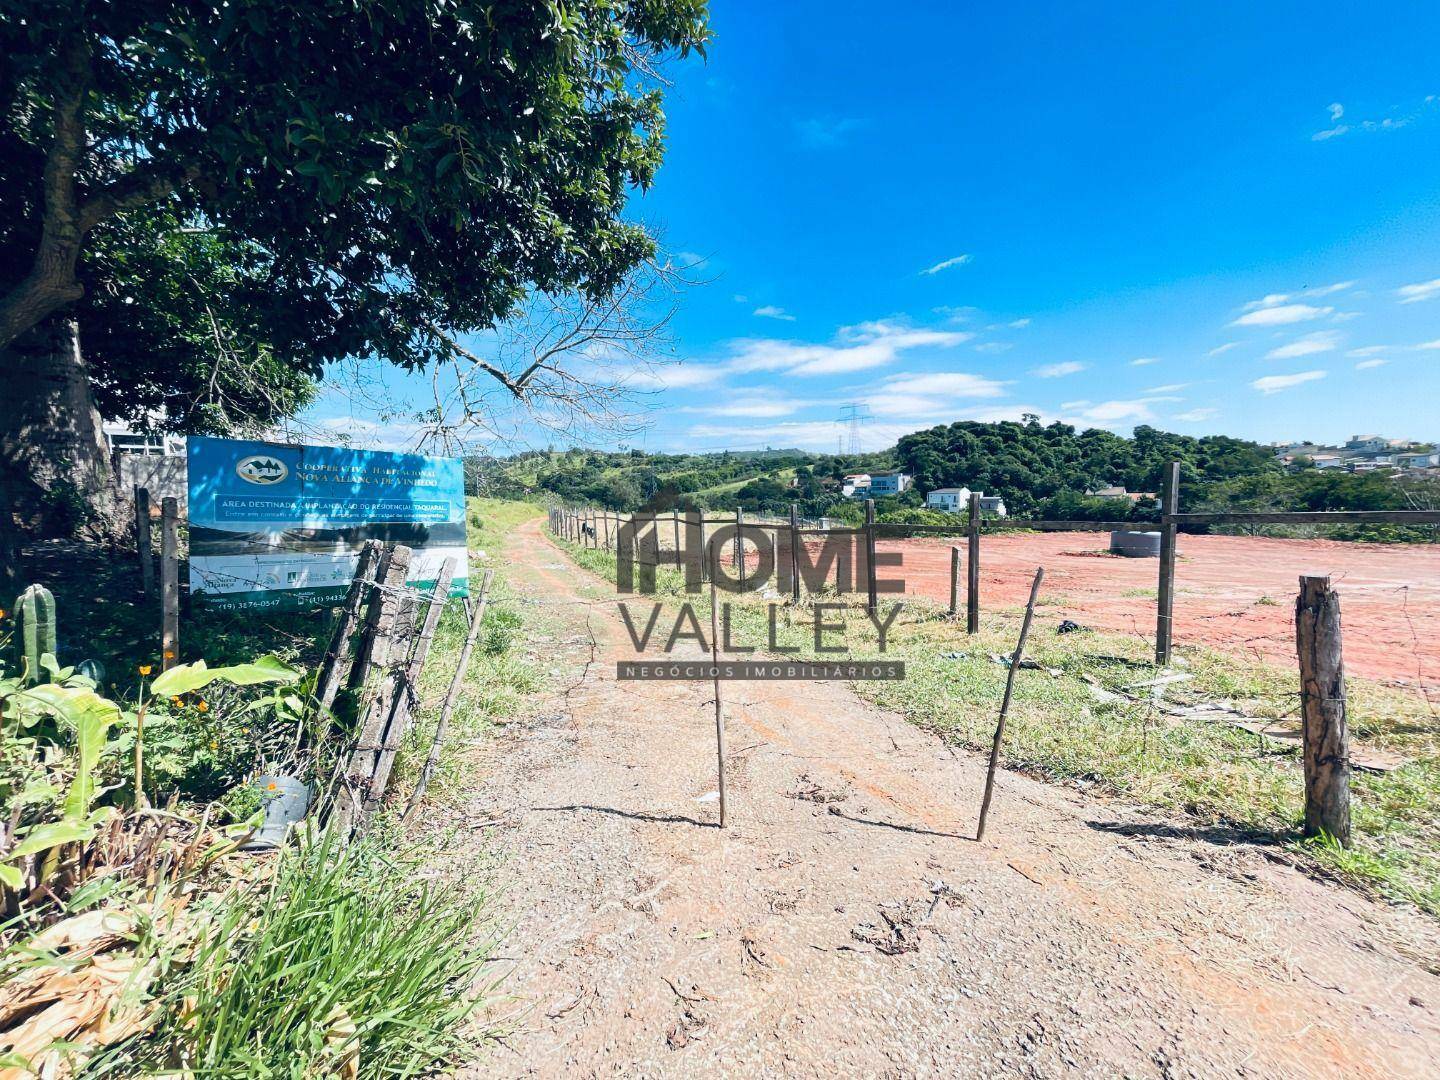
335	956
1061	730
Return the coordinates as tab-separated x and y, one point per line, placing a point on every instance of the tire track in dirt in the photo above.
846	924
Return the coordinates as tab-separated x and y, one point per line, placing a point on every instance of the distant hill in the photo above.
1040	470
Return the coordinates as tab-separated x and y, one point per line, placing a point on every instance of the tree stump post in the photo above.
972	568
169	582
1322	706
144	540
1169	504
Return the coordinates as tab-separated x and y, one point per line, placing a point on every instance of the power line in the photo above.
853	414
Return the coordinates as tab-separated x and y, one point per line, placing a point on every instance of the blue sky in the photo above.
1216	217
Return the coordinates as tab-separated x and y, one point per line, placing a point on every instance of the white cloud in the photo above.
994	347
1196	416
678	376
1368	350
823	132
1120	413
805	434
1312	293
770	311
1168	388
946	264
1336	111
1421	290
858	348
1272	384
1219	349
1282	315
1142	361
1018	324
741	298
1429	344
1330	133
1366	365
1319	342
945	384
1056	371
1393	122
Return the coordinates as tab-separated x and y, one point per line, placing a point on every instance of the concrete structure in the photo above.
889	483
952	500
1135	545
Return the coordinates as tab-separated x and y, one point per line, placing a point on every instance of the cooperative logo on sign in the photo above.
262	469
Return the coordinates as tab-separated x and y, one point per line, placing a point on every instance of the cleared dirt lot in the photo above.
1233	593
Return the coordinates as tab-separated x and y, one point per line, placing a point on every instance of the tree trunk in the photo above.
54	466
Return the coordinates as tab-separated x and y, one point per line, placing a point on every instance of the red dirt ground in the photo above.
1389	593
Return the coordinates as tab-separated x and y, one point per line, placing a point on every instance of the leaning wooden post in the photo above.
972	567
954	580
332	666
1322	708
1005	705
715	671
1169	505
872	603
169	582
144	542
794	554
675	517
439	597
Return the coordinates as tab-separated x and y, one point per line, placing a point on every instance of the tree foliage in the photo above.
362	171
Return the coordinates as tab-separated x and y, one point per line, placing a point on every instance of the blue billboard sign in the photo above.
275	526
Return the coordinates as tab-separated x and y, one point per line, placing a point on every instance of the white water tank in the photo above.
1135	545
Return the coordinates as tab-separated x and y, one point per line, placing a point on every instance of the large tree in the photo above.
344	177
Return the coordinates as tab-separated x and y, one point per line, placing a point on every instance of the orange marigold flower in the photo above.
144	669
272	786
202	706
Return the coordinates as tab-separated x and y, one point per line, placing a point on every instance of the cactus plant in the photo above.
35	614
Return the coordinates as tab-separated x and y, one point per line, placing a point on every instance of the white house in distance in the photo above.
856	485
955	500
889	483
952	500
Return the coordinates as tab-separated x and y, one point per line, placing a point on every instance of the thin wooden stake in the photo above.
169	582
719	709
144	541
439	597
954	580
447	708
1322	706
873	602
739	548
794	554
1005	704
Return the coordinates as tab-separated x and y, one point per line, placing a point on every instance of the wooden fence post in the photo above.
169	582
1165	607
740	547
675	518
794	554
144	542
872	602
972	568
954	580
1322	706
719	706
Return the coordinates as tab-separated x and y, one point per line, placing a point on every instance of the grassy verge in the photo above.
1229	780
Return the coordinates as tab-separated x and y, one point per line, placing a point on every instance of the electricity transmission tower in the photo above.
852	416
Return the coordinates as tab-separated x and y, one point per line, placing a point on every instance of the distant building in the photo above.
889	483
1425	459
1367	442
992	504
856	485
1327	461
952	500
122	439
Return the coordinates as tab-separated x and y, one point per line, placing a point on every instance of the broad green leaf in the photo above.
11	879
187	678
91	716
45	837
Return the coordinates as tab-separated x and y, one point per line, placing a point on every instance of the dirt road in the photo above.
846	924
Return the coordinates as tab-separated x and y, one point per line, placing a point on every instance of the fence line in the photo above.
574	523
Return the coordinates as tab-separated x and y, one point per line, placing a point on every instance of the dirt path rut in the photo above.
846	924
